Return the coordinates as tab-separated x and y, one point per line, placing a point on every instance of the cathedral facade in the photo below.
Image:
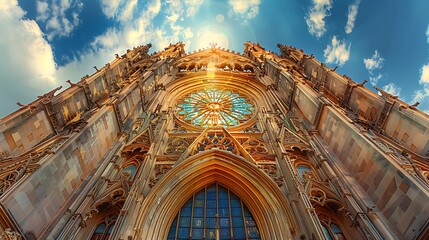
215	144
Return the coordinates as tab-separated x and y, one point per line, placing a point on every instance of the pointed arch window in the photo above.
104	229
337	232
130	169
333	232
303	169
214	213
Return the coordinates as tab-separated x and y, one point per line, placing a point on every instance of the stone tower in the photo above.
215	145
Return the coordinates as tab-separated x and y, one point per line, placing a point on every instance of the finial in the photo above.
71	84
415	104
363	83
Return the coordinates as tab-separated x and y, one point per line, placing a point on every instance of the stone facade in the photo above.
310	153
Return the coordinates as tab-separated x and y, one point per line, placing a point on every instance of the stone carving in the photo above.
271	170
9	234
4	155
215	140
254	145
252	129
160	170
178	145
178	129
116	191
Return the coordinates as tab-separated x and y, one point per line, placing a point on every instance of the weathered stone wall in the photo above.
22	133
410	129
37	201
398	196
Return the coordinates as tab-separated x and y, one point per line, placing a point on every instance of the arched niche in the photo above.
261	195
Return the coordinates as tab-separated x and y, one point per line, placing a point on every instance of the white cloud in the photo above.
173	17
188	33
128	11
351	16
246	9
42	10
110	7
83	65
424	77
60	17
153	8
130	33
392	89
178	9
338	52
35	66
315	18
374	80
110	39
422	94
136	30
192	6
375	62
29	73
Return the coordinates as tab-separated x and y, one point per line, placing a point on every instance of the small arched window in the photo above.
337	232
99	231
333	232
131	169
327	233
303	169
104	229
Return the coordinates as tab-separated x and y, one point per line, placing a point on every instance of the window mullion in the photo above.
244	220
192	217
177	225
230	217
217	231
205	214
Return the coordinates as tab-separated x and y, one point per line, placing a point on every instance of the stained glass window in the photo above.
303	169
214	211
99	231
215	107
334	232
327	233
104	229
131	170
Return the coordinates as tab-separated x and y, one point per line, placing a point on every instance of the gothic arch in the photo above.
245	84
264	199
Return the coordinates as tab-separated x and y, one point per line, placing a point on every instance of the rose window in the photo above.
215	108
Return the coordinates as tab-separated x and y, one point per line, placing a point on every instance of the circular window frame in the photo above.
184	123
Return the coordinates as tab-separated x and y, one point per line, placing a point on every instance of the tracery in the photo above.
215	108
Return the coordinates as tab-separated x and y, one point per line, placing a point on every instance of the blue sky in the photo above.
46	42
